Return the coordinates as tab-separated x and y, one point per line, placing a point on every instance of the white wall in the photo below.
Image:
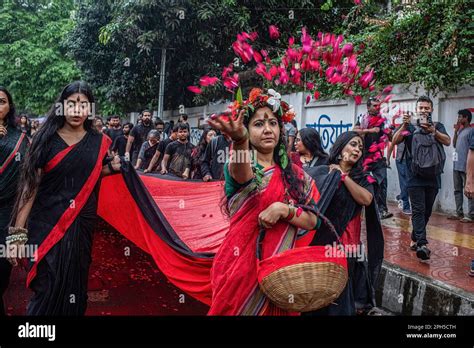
332	117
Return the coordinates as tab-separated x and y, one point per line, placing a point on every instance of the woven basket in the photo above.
303	279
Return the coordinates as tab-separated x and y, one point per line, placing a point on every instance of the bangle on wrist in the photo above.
291	213
17	230
20	237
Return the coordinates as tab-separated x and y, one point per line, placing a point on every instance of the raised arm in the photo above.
239	163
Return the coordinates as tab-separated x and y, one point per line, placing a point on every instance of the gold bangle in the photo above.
17	230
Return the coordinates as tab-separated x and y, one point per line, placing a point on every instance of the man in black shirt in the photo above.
371	128
138	137
215	156
178	160
114	130
120	143
421	190
160	151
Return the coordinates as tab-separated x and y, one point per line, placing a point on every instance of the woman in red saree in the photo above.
56	208
261	187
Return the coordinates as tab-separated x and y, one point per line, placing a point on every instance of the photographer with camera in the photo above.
424	140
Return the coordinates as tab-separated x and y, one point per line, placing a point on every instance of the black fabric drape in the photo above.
340	208
9	177
60	285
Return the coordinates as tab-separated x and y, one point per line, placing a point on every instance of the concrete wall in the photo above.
332	117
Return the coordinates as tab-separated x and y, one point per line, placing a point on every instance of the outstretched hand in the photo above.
234	129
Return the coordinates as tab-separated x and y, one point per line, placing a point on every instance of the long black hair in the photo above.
312	141
335	155
202	144
10	119
27	125
294	184
41	142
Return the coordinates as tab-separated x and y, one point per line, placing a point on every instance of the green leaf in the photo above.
238	96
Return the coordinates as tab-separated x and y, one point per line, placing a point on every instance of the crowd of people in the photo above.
284	164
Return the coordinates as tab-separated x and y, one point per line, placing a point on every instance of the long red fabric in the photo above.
193	210
191	274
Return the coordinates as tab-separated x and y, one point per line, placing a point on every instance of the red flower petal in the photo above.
370	179
195	89
387	90
208	81
358	99
274	33
257	57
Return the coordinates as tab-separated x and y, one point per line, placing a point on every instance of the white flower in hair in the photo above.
274	100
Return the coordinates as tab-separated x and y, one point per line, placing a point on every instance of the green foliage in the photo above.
34	64
198	35
429	42
116	45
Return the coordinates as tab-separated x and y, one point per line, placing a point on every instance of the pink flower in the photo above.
358	99
195	89
226	71
309	85
253	36
208	81
366	78
274	33
308	99
314	64
257	57
306	40
387	90
387	98
232	82
316	95
347	49
273	71
370	179
367	161
406	133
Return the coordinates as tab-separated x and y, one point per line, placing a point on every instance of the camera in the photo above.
417	119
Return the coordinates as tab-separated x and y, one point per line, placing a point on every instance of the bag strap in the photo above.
404	152
313	161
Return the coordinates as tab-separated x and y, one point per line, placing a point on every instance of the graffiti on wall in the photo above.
329	131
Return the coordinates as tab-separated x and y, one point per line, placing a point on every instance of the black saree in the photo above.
61	222
13	147
342	210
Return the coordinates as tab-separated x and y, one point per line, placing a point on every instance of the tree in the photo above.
34	64
427	42
198	35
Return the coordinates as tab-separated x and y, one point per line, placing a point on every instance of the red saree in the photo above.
234	272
